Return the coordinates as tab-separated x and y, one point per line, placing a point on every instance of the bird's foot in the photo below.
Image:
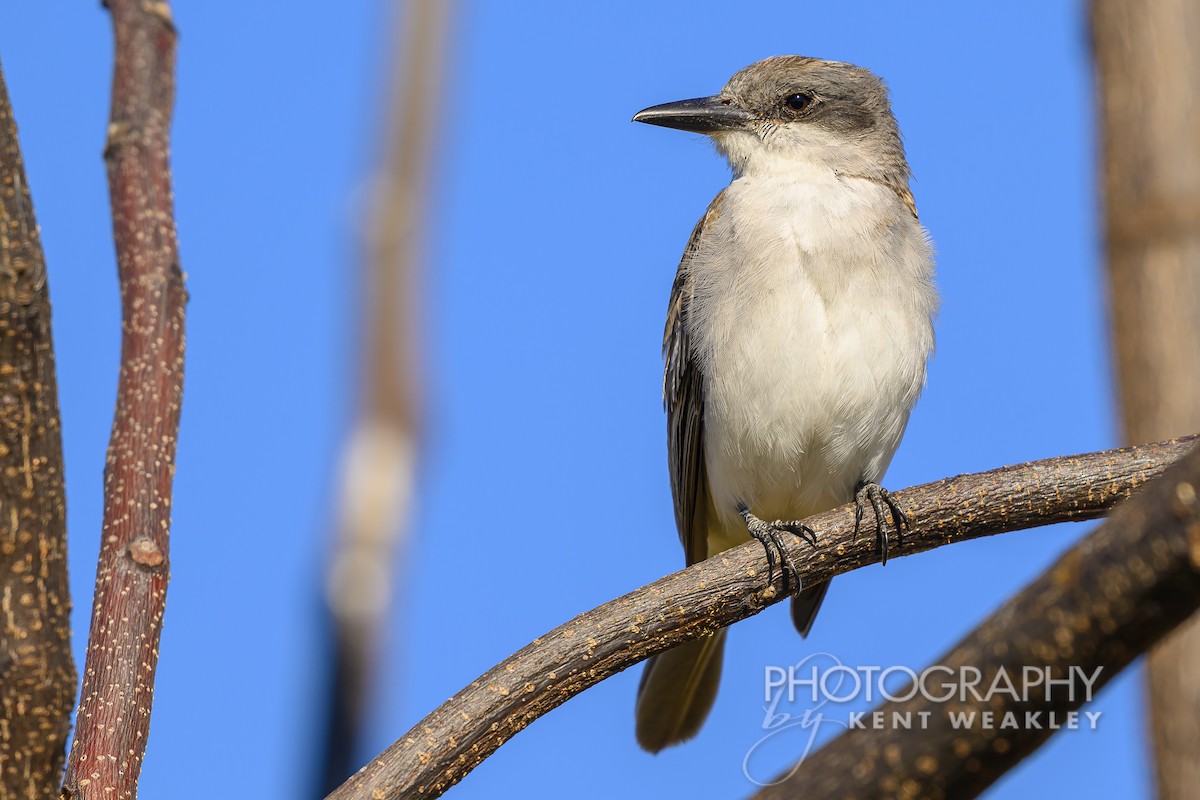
880	499
769	535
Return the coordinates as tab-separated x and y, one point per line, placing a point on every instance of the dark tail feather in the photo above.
806	605
677	691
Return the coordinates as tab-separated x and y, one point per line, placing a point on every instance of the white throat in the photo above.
778	151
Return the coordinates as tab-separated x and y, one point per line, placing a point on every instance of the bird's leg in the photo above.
879	498
768	534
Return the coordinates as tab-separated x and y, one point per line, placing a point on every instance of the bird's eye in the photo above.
797	102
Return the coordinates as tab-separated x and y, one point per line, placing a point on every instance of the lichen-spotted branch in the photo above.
466	729
131	577
1105	601
37	672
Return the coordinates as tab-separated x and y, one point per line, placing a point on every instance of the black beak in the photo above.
701	115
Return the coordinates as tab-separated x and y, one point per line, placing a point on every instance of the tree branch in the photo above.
381	455
37	672
1108	599
131	577
1147	79
457	736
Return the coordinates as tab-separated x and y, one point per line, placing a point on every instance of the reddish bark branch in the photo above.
131	577
37	672
466	729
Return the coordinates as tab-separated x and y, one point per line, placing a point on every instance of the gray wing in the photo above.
683	396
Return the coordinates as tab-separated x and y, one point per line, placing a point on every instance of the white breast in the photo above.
811	321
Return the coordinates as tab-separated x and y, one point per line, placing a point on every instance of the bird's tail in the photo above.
806	604
677	691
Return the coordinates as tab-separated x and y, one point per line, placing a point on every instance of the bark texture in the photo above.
113	721
37	672
1107	600
1149	90
733	585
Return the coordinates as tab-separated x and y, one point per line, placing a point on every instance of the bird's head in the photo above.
787	111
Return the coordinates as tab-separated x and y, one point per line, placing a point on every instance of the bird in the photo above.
799	328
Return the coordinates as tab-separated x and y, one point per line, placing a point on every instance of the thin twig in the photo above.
131	576
1104	602
37	671
457	736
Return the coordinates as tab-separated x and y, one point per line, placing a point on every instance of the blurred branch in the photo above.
37	672
1107	600
1148	83
379	462
113	721
457	736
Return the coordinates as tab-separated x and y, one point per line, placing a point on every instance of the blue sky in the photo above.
558	228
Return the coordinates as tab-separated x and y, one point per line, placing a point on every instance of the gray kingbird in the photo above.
798	330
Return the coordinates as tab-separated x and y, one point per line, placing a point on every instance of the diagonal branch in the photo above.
456	737
1106	600
37	672
131	577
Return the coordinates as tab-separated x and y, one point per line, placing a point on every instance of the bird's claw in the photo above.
768	535
880	498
